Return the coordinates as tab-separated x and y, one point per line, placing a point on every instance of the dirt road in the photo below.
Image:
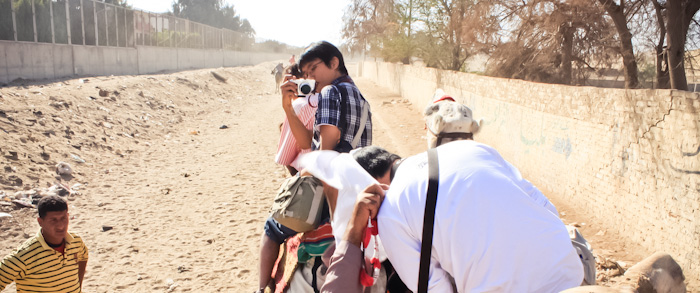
184	198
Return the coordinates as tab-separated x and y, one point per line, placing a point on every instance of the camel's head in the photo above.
447	120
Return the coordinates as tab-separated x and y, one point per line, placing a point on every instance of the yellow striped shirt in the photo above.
36	267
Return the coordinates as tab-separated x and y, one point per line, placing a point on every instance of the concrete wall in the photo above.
155	59
626	157
48	61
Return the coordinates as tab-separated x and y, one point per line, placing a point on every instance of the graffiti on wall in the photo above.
692	154
562	146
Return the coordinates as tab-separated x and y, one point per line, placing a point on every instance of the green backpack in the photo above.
299	203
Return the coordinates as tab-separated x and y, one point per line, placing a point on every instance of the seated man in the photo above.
53	260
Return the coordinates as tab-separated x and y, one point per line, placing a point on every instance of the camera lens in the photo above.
305	88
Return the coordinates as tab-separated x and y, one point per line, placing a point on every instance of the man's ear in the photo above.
40	221
335	63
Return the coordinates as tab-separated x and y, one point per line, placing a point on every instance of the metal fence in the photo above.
94	23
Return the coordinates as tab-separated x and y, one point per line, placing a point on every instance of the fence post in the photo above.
116	24
70	42
14	19
82	19
135	25
53	33
104	7
126	29
36	37
157	39
94	17
170	33
150	39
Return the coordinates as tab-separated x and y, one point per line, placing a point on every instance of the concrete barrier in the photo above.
28	60
90	60
156	59
628	157
190	59
62	61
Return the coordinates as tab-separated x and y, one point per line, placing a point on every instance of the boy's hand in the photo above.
289	92
366	207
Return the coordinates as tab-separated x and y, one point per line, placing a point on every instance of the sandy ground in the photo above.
185	199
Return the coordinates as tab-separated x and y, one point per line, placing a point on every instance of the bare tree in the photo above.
662	75
619	14
365	24
552	41
680	15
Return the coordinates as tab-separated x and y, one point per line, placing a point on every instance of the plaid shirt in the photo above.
328	112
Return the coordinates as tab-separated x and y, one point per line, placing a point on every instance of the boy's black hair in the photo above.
325	51
375	160
51	203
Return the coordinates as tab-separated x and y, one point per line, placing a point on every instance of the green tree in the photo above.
213	13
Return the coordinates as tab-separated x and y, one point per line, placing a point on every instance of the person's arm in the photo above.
302	134
81	271
329	137
82	261
10	269
343	273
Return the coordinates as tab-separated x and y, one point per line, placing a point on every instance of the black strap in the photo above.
428	221
314	274
453	135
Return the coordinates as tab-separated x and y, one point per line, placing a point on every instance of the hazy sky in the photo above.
297	23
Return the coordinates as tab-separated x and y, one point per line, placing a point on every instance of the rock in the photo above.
223	127
12	155
5	215
106	228
59	190
218	77
11	180
64	169
657	273
23	204
103	93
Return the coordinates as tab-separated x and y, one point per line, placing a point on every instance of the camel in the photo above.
278	72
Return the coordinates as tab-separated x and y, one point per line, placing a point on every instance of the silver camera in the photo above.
304	86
